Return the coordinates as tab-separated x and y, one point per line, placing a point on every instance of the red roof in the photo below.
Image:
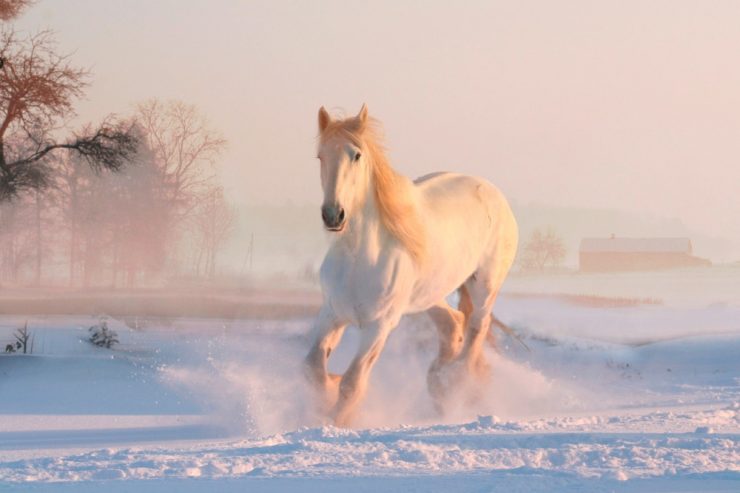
636	245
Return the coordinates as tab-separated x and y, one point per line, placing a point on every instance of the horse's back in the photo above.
470	224
451	190
420	180
447	180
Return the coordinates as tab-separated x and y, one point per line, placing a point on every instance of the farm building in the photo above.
630	254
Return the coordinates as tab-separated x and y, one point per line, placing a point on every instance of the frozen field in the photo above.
643	397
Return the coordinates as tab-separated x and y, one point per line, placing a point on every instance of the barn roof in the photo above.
662	245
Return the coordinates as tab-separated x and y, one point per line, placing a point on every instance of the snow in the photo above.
635	398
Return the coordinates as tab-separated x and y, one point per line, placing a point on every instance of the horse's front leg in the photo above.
328	333
353	385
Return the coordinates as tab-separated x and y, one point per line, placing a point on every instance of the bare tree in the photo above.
40	206
185	149
214	222
16	239
138	219
37	90
23	337
542	250
115	222
68	186
10	9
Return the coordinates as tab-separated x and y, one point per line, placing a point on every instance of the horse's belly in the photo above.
455	257
436	286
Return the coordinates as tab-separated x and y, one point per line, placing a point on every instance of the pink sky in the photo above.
630	105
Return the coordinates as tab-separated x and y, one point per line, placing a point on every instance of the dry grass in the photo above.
254	303
262	304
590	301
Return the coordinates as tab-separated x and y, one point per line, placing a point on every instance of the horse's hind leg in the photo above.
483	298
465	305
450	325
483	288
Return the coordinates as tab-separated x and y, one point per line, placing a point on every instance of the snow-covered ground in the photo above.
633	398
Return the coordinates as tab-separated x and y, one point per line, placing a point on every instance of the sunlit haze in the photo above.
370	245
631	106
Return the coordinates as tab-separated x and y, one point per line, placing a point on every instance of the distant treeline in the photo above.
162	213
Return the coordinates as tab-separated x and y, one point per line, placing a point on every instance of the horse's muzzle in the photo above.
333	216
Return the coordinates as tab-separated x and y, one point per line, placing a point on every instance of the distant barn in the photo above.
630	254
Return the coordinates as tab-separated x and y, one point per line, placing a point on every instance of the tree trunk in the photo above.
72	233
212	265
131	276
39	246
198	260
116	260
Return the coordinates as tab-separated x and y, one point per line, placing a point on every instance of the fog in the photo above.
630	107
616	118
161	241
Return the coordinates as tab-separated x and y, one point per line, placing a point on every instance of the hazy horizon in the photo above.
631	106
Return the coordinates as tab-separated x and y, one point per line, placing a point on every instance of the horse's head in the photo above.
344	167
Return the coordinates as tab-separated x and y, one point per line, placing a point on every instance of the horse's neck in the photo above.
366	236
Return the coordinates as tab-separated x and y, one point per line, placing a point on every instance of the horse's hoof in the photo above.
481	369
459	379
442	380
331	391
326	394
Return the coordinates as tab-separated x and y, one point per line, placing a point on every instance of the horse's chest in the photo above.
361	292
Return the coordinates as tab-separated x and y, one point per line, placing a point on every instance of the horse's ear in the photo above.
362	116
324	119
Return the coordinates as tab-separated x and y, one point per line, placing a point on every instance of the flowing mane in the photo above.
393	192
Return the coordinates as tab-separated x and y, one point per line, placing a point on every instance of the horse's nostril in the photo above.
333	216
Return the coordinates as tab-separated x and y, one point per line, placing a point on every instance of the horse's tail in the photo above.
466	307
495	322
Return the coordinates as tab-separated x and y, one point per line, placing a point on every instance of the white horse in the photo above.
402	247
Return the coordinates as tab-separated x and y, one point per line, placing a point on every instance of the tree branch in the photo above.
109	147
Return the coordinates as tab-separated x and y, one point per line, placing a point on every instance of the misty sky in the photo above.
631	105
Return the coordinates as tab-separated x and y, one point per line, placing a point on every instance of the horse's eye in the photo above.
357	156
